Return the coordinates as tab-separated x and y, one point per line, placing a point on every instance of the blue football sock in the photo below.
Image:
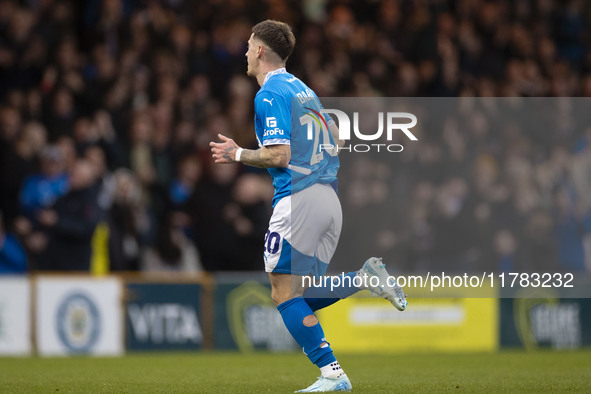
323	296
311	339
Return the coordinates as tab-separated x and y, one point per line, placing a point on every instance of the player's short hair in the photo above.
277	36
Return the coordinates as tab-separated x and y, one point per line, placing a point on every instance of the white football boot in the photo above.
389	290
323	384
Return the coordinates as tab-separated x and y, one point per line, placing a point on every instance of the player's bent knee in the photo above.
279	298
310	321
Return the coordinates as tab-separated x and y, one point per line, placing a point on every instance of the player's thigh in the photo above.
313	216
329	241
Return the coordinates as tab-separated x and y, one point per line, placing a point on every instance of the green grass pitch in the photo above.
533	372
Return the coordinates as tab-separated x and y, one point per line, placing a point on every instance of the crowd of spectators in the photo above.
107	108
498	185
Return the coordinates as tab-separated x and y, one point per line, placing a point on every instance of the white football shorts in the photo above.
304	232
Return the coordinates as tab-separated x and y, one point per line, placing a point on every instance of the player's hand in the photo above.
224	152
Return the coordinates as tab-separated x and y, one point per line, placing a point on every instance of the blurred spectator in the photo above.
249	215
140	154
505	247
128	223
13	259
70	223
42	190
571	229
68	149
17	164
183	185
60	120
172	251
452	223
208	210
106	137
105	181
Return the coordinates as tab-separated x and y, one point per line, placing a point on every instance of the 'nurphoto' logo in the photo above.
389	122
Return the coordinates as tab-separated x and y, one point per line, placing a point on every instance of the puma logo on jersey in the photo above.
269	101
292	79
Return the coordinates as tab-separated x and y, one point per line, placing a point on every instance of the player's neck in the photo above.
266	69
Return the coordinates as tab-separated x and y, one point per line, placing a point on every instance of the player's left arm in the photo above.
269	156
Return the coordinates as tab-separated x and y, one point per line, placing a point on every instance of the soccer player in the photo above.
306	222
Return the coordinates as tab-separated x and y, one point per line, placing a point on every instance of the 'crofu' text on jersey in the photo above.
287	112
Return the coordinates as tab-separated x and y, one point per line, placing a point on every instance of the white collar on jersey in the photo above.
281	70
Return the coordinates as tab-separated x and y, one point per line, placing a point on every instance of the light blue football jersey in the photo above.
287	112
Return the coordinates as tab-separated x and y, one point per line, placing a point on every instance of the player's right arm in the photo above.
269	156
273	130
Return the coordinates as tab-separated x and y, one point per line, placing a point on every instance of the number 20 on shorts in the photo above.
272	240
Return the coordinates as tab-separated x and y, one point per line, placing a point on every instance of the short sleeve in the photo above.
273	119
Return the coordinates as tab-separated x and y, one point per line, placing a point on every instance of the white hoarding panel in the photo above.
79	315
15	316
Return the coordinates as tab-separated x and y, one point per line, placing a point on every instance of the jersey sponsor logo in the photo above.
269	101
272	132
272	128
